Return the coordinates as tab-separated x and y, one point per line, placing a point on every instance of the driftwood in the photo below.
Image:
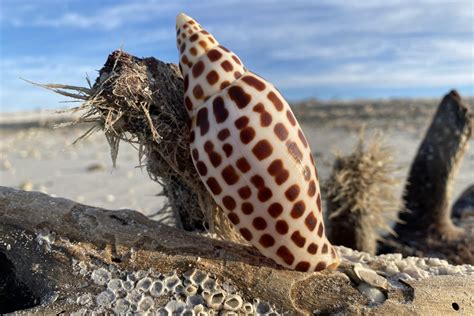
129	241
427	227
428	189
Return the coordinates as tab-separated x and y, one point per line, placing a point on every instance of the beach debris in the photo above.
26	185
96	167
428	187
360	195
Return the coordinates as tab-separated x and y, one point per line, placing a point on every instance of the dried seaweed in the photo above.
360	195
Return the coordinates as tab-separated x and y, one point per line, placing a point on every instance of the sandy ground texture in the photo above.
34	156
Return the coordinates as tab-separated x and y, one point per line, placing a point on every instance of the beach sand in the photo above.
34	156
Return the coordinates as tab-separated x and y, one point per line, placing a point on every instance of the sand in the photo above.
35	156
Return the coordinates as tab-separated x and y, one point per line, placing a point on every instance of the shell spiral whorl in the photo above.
251	153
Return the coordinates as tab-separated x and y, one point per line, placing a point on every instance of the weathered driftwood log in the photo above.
429	184
427	226
42	239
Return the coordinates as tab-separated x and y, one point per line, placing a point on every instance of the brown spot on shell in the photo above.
241	122
223	134
292	192
202	121
312	248
227	149
275	100
203	44
243	165
224	48
259	223
208	146
302	138
320	229
244	192
234	218
262	149
188	103
247	208
236	59
254	82
298	239
214	186
212	77
291	118
186	82
214	55
215	158
311	221
220	112
229	202
265	117
264	194
298	209
266	241
286	255
275	209
325	248
281	227
201	168
281	131
227	66
246	234
230	175
195	154
239	96
257	181
198	92
302	266
320	266
318	202
294	151
247	135
224	84
312	188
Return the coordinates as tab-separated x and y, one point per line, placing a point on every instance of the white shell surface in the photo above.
253	156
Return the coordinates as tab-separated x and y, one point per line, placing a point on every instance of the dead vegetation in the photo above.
135	101
361	200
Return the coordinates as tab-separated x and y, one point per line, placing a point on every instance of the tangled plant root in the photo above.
139	101
360	195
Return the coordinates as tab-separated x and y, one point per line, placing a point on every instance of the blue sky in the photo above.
321	49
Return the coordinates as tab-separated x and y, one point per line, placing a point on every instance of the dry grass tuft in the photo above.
360	195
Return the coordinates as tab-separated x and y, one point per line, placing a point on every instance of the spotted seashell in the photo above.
251	153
